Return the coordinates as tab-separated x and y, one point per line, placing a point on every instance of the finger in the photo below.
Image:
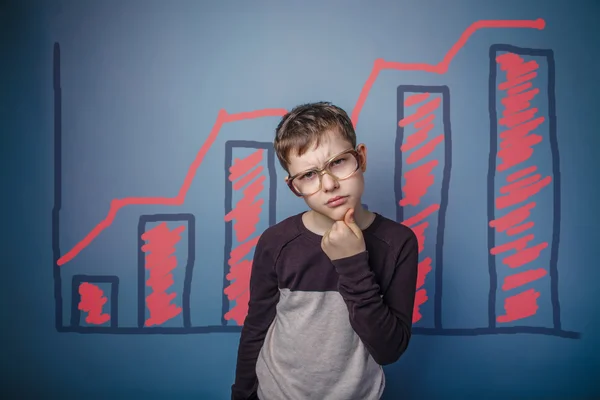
343	229
340	226
336	230
349	220
325	241
333	234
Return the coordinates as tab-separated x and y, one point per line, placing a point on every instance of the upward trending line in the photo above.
225	117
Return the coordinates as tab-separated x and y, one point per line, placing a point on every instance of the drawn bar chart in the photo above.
94	307
523	189
164	279
250	191
423	164
96	299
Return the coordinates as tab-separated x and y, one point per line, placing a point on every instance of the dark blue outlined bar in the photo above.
230	146
446	171
113	297
548	57
58	301
187	283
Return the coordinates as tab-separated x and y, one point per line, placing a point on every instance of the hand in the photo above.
343	239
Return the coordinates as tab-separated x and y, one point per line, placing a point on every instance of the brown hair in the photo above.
306	124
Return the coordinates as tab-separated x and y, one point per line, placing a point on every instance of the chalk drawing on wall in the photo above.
523	184
247	177
424	165
156	263
424	112
89	298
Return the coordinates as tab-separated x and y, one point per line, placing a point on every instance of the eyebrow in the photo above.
328	159
313	166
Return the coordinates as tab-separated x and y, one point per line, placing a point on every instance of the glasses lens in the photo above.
307	183
341	168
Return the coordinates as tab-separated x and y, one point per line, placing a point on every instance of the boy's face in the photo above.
350	190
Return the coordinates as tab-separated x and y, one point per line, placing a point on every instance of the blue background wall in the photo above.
142	85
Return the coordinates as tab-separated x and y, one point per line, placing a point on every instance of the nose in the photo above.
328	182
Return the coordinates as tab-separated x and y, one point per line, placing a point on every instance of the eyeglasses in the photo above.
341	166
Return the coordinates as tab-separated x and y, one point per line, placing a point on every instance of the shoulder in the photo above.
396	235
275	237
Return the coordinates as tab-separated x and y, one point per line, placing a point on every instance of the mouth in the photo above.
336	200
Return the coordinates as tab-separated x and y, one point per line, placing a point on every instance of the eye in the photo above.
338	162
307	175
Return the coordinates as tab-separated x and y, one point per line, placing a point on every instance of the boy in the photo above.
331	289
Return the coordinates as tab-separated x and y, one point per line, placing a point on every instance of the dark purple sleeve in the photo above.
383	324
264	295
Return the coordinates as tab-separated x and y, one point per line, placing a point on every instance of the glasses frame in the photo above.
323	171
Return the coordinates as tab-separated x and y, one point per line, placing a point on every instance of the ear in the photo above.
362	151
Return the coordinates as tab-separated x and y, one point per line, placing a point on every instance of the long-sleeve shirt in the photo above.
322	329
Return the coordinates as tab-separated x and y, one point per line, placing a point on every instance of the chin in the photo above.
338	213
334	215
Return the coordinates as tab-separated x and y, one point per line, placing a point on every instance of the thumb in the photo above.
349	220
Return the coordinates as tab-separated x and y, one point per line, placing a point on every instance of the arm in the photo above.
264	295
383	324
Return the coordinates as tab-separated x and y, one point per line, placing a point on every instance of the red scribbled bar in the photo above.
422	133
522	180
160	261
246	177
92	302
